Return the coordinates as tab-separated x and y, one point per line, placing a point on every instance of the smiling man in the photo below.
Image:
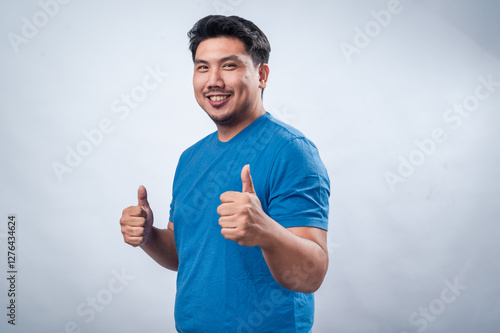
249	245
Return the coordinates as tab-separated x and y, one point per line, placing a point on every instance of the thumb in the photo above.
246	180
142	197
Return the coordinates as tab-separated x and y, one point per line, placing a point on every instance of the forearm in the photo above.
161	247
296	263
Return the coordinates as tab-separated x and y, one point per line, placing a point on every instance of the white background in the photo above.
393	251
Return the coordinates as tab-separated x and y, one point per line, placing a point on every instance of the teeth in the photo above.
218	98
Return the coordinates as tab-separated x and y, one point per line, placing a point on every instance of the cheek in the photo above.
242	84
196	83
198	86
251	82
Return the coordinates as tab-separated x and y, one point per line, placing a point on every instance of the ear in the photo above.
263	75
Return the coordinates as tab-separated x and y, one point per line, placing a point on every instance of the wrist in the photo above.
271	235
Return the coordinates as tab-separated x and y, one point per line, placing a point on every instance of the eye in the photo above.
202	68
230	65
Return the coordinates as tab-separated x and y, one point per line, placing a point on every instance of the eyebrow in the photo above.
228	58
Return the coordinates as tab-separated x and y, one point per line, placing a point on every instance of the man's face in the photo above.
226	83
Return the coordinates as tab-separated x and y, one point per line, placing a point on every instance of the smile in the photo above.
218	98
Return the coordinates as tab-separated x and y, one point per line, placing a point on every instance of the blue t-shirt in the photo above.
223	286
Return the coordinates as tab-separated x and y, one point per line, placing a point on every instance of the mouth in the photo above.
218	100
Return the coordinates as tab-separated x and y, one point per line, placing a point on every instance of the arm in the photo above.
137	229
297	257
161	247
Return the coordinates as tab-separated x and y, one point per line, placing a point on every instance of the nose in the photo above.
215	80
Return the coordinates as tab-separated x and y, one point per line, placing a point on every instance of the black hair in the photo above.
212	26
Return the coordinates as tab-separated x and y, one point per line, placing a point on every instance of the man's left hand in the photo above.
241	216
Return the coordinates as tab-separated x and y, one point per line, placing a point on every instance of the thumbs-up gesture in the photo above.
241	216
136	221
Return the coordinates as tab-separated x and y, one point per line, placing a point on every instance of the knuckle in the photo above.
125	212
245	209
240	234
128	210
224	196
134	211
244	226
132	241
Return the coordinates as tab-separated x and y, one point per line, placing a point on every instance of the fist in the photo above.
136	221
241	216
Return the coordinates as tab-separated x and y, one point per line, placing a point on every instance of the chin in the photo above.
222	119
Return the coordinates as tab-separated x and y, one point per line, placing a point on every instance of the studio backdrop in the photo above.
401	98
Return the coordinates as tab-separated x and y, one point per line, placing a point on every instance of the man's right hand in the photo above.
137	221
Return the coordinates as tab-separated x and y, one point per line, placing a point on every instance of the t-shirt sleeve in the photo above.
171	212
299	186
180	166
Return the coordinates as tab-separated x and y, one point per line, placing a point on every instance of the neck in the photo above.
226	133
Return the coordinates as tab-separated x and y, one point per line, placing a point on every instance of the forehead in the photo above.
220	47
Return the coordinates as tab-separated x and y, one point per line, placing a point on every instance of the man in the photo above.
249	245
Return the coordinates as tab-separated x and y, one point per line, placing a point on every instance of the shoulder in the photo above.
280	137
282	130
293	154
288	139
